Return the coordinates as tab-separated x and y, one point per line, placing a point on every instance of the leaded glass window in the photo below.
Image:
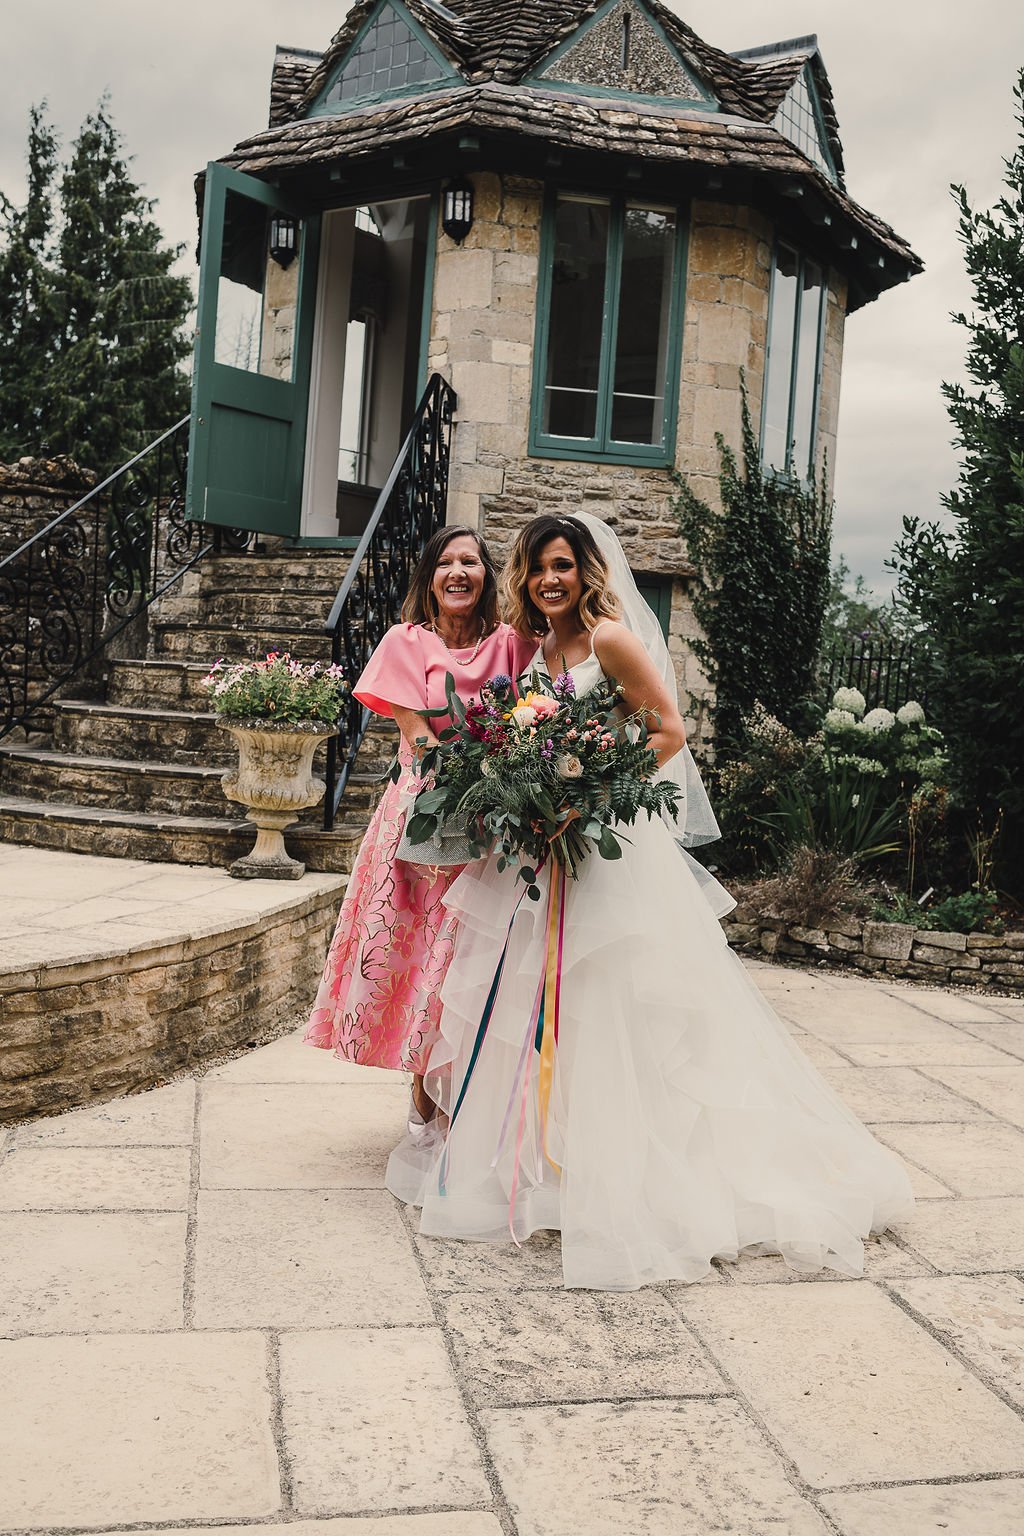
797	120
389	58
608	330
792	374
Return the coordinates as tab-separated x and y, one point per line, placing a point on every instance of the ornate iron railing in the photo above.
887	672
66	592
411	506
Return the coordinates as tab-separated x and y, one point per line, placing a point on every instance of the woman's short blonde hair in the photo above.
598	600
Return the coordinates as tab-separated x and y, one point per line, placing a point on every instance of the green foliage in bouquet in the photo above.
277	689
543	774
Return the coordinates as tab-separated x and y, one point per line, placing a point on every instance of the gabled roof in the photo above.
778	66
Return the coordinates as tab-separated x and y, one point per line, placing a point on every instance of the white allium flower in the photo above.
569	767
911	713
851	699
839	719
879	720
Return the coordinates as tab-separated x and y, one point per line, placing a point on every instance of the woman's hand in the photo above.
623	657
416	733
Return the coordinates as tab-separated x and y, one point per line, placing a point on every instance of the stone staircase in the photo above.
137	773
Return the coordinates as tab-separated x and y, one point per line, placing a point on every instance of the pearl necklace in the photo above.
457	660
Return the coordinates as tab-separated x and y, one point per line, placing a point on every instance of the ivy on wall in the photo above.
762	586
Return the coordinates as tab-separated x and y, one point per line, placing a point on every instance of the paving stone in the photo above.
1006	1034
961	1050
136	1428
883	1258
968	1235
999	1089
475	1523
958	1509
374	1421
66	1178
454	1266
983	1315
954	1007
984	1159
289	1060
840	1373
299	1136
925	1186
824	1056
305	1259
567	1346
162	1117
646	1469
877	1094
88	1272
882	1018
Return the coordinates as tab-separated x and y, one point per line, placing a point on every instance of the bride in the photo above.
683	1124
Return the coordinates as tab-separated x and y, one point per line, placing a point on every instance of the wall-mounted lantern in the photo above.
284	236
457	209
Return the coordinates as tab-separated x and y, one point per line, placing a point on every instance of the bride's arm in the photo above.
624	658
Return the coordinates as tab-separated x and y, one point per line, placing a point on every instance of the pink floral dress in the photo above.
379	998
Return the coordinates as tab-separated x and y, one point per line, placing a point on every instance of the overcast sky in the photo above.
923	93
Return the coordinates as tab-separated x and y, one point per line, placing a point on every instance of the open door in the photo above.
253	346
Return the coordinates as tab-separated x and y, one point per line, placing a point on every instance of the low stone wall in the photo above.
80	1033
894	949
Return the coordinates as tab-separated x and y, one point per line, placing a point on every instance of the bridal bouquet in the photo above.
539	773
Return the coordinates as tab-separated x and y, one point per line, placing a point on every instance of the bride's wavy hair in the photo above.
420	606
597	602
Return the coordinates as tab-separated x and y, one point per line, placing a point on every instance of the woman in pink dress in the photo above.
378	1002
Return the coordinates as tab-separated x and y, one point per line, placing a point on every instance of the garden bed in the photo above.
894	949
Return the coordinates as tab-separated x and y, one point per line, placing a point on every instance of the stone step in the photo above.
315	571
153	788
205	644
159	784
166	839
299	610
84	729
158	684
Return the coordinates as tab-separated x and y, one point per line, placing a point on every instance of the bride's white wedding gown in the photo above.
686	1123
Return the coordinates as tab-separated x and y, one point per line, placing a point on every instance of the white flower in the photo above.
839	719
487	768
855	801
569	767
850	699
911	713
879	720
524	715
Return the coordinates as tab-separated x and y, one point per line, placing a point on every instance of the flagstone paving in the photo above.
212	1314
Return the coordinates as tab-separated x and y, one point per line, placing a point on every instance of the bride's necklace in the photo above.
458	659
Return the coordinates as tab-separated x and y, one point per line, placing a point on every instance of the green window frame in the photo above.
601	445
383	79
797	309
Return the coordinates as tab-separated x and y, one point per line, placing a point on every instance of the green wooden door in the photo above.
253	346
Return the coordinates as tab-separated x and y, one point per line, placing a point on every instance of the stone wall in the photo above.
77	1034
35	491
892	949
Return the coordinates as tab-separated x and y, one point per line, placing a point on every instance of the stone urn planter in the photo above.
275	779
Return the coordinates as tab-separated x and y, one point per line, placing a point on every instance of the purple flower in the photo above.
564	686
501	682
547	749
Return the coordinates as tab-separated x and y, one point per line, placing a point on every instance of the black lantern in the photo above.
457	209
284	235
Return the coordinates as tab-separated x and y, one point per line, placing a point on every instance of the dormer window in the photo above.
390	58
799	120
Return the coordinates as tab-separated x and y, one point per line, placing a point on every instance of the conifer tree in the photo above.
28	318
966	586
92	316
122	312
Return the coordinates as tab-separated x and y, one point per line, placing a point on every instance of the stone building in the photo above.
651	218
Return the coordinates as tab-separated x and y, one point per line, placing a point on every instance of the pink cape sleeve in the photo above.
395	673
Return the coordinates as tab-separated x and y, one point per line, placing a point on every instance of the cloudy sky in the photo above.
923	91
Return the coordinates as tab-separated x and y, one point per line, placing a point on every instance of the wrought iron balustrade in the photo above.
67	591
887	672
411	506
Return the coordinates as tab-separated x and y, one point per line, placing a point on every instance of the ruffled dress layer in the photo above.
684	1124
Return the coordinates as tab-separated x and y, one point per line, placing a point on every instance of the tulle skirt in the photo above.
683	1122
